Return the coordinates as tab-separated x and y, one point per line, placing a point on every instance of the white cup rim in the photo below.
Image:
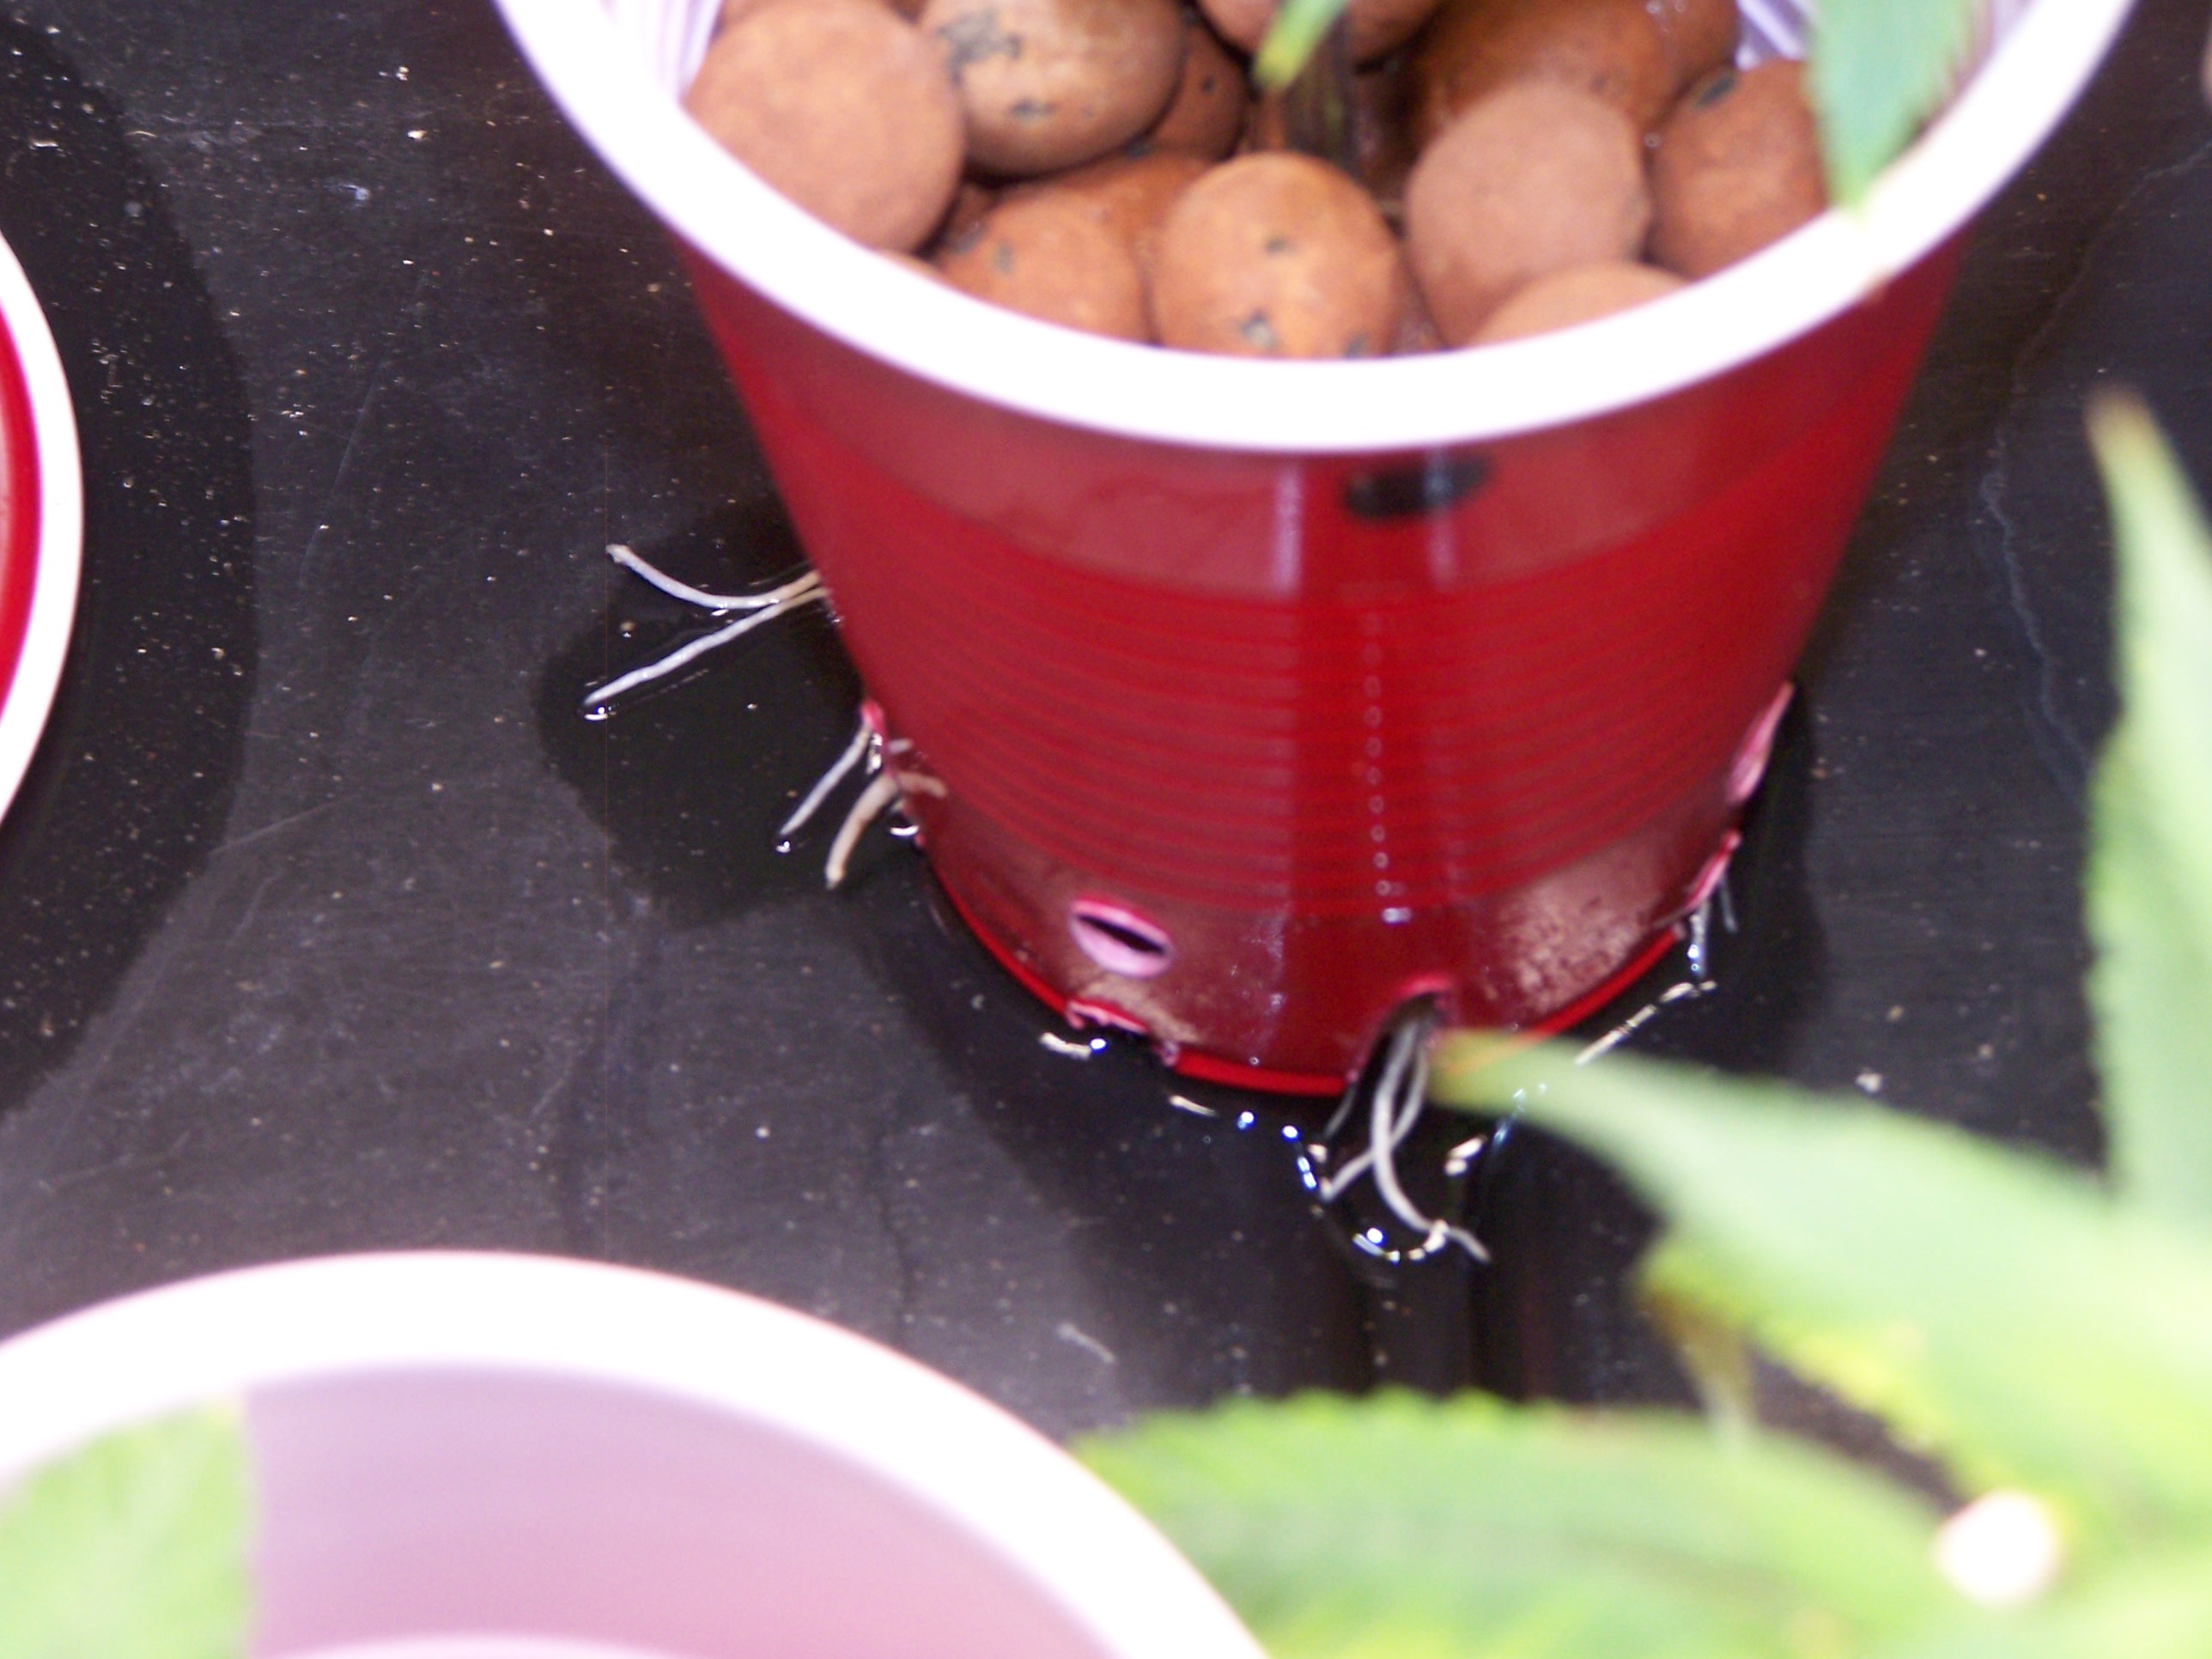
1315	408
225	1336
26	696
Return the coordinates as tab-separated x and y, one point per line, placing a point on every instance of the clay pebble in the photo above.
1205	115
1531	179
1050	254
1048	84
1277	255
1580	293
1737	167
1612	50
844	108
1130	195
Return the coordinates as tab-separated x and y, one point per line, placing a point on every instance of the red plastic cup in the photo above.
473	1456
41	523
1249	700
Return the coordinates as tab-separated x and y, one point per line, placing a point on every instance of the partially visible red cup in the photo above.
1248	699
41	523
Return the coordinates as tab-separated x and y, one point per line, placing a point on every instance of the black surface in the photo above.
327	923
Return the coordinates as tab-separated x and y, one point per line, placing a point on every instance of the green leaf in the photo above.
1290	39
1997	1309
2150	861
133	1548
1879	68
1400	1527
2156	1610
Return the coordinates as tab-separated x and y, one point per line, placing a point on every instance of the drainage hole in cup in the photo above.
1119	941
1411	492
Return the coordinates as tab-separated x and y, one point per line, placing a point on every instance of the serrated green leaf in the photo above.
1879	68
133	1548
2149	883
1402	1528
1997	1307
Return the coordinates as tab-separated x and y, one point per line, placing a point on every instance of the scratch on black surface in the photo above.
578	1054
410	310
877	1176
252	907
2068	766
54	1184
2064	753
267	830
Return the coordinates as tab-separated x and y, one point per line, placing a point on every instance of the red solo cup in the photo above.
1240	702
41	523
476	1456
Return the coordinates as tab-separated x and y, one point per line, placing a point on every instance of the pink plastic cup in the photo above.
466	1457
1240	702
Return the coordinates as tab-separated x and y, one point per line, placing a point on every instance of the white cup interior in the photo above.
438	1507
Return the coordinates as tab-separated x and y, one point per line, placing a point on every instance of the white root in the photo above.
600	697
1400	1095
676	590
829	780
882	791
886	789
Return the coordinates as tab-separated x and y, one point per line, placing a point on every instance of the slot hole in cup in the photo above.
1437	483
1119	940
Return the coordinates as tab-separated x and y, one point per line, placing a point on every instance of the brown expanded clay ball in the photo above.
1130	195
1701	35
1205	116
1050	83
1581	294
1277	255
1374	26
1531	179
843	105
1050	254
1610	49
1738	166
